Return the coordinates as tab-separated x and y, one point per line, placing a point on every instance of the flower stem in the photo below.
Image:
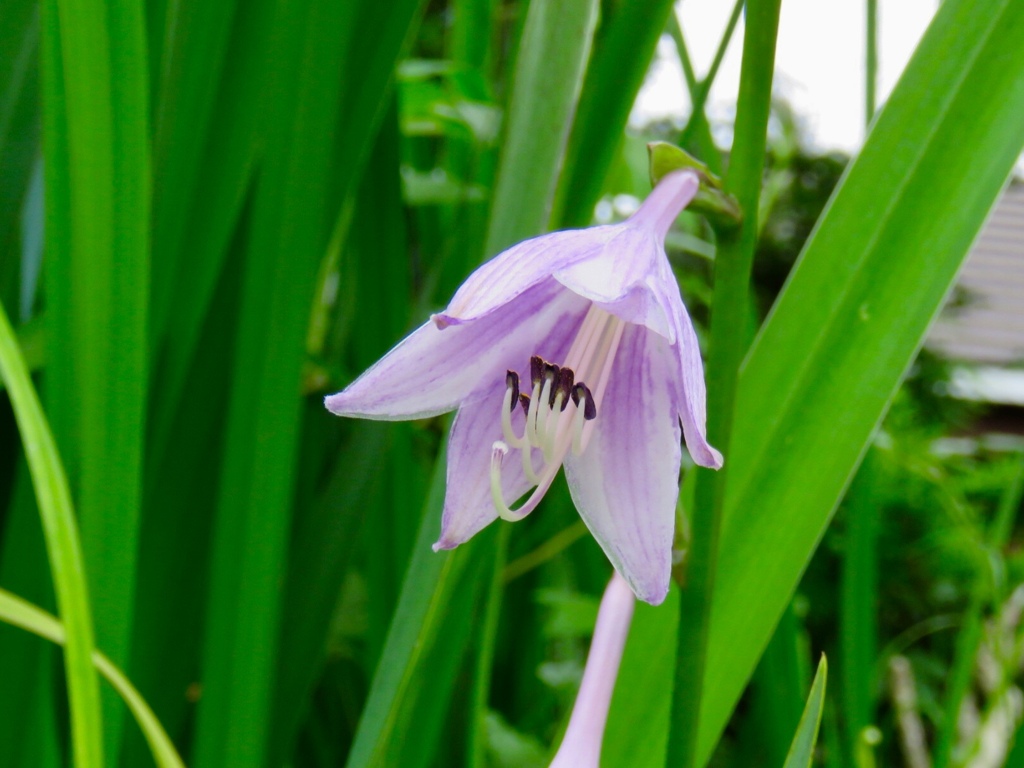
729	341
871	62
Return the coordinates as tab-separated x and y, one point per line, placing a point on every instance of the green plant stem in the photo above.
676	33
871	62
858	606
63	548
97	168
728	346
545	552
700	97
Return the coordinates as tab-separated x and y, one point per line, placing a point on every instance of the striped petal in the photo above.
435	369
626	482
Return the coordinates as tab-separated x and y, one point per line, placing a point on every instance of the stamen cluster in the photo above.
557	409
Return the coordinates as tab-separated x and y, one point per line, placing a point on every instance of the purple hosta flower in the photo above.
581	745
571	349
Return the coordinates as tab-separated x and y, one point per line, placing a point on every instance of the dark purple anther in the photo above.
536	371
581	390
512	382
524	401
564	387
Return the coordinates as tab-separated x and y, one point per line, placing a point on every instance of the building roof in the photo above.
984	321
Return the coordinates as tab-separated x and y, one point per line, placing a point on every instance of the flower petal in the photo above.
626	483
690	391
581	745
435	369
519	268
627	278
467	503
468	507
673	193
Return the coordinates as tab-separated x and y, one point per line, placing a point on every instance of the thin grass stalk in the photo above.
700	98
730	299
858	606
697	132
871	62
549	73
63	548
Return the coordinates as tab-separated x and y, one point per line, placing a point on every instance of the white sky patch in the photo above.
819	63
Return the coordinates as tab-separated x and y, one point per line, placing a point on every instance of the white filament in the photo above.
549	428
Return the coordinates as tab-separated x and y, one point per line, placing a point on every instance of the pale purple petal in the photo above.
690	392
673	193
627	276
581	745
622	278
433	370
626	483
468	507
519	268
467	503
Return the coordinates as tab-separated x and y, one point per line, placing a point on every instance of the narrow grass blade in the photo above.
175	537
227	159
552	56
190	82
485	649
623	46
696	136
322	547
777	695
22	614
98	279
852	316
292	214
801	753
858	607
697	129
63	548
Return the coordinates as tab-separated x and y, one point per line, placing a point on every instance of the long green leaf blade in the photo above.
98	283
549	74
623	47
852	316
